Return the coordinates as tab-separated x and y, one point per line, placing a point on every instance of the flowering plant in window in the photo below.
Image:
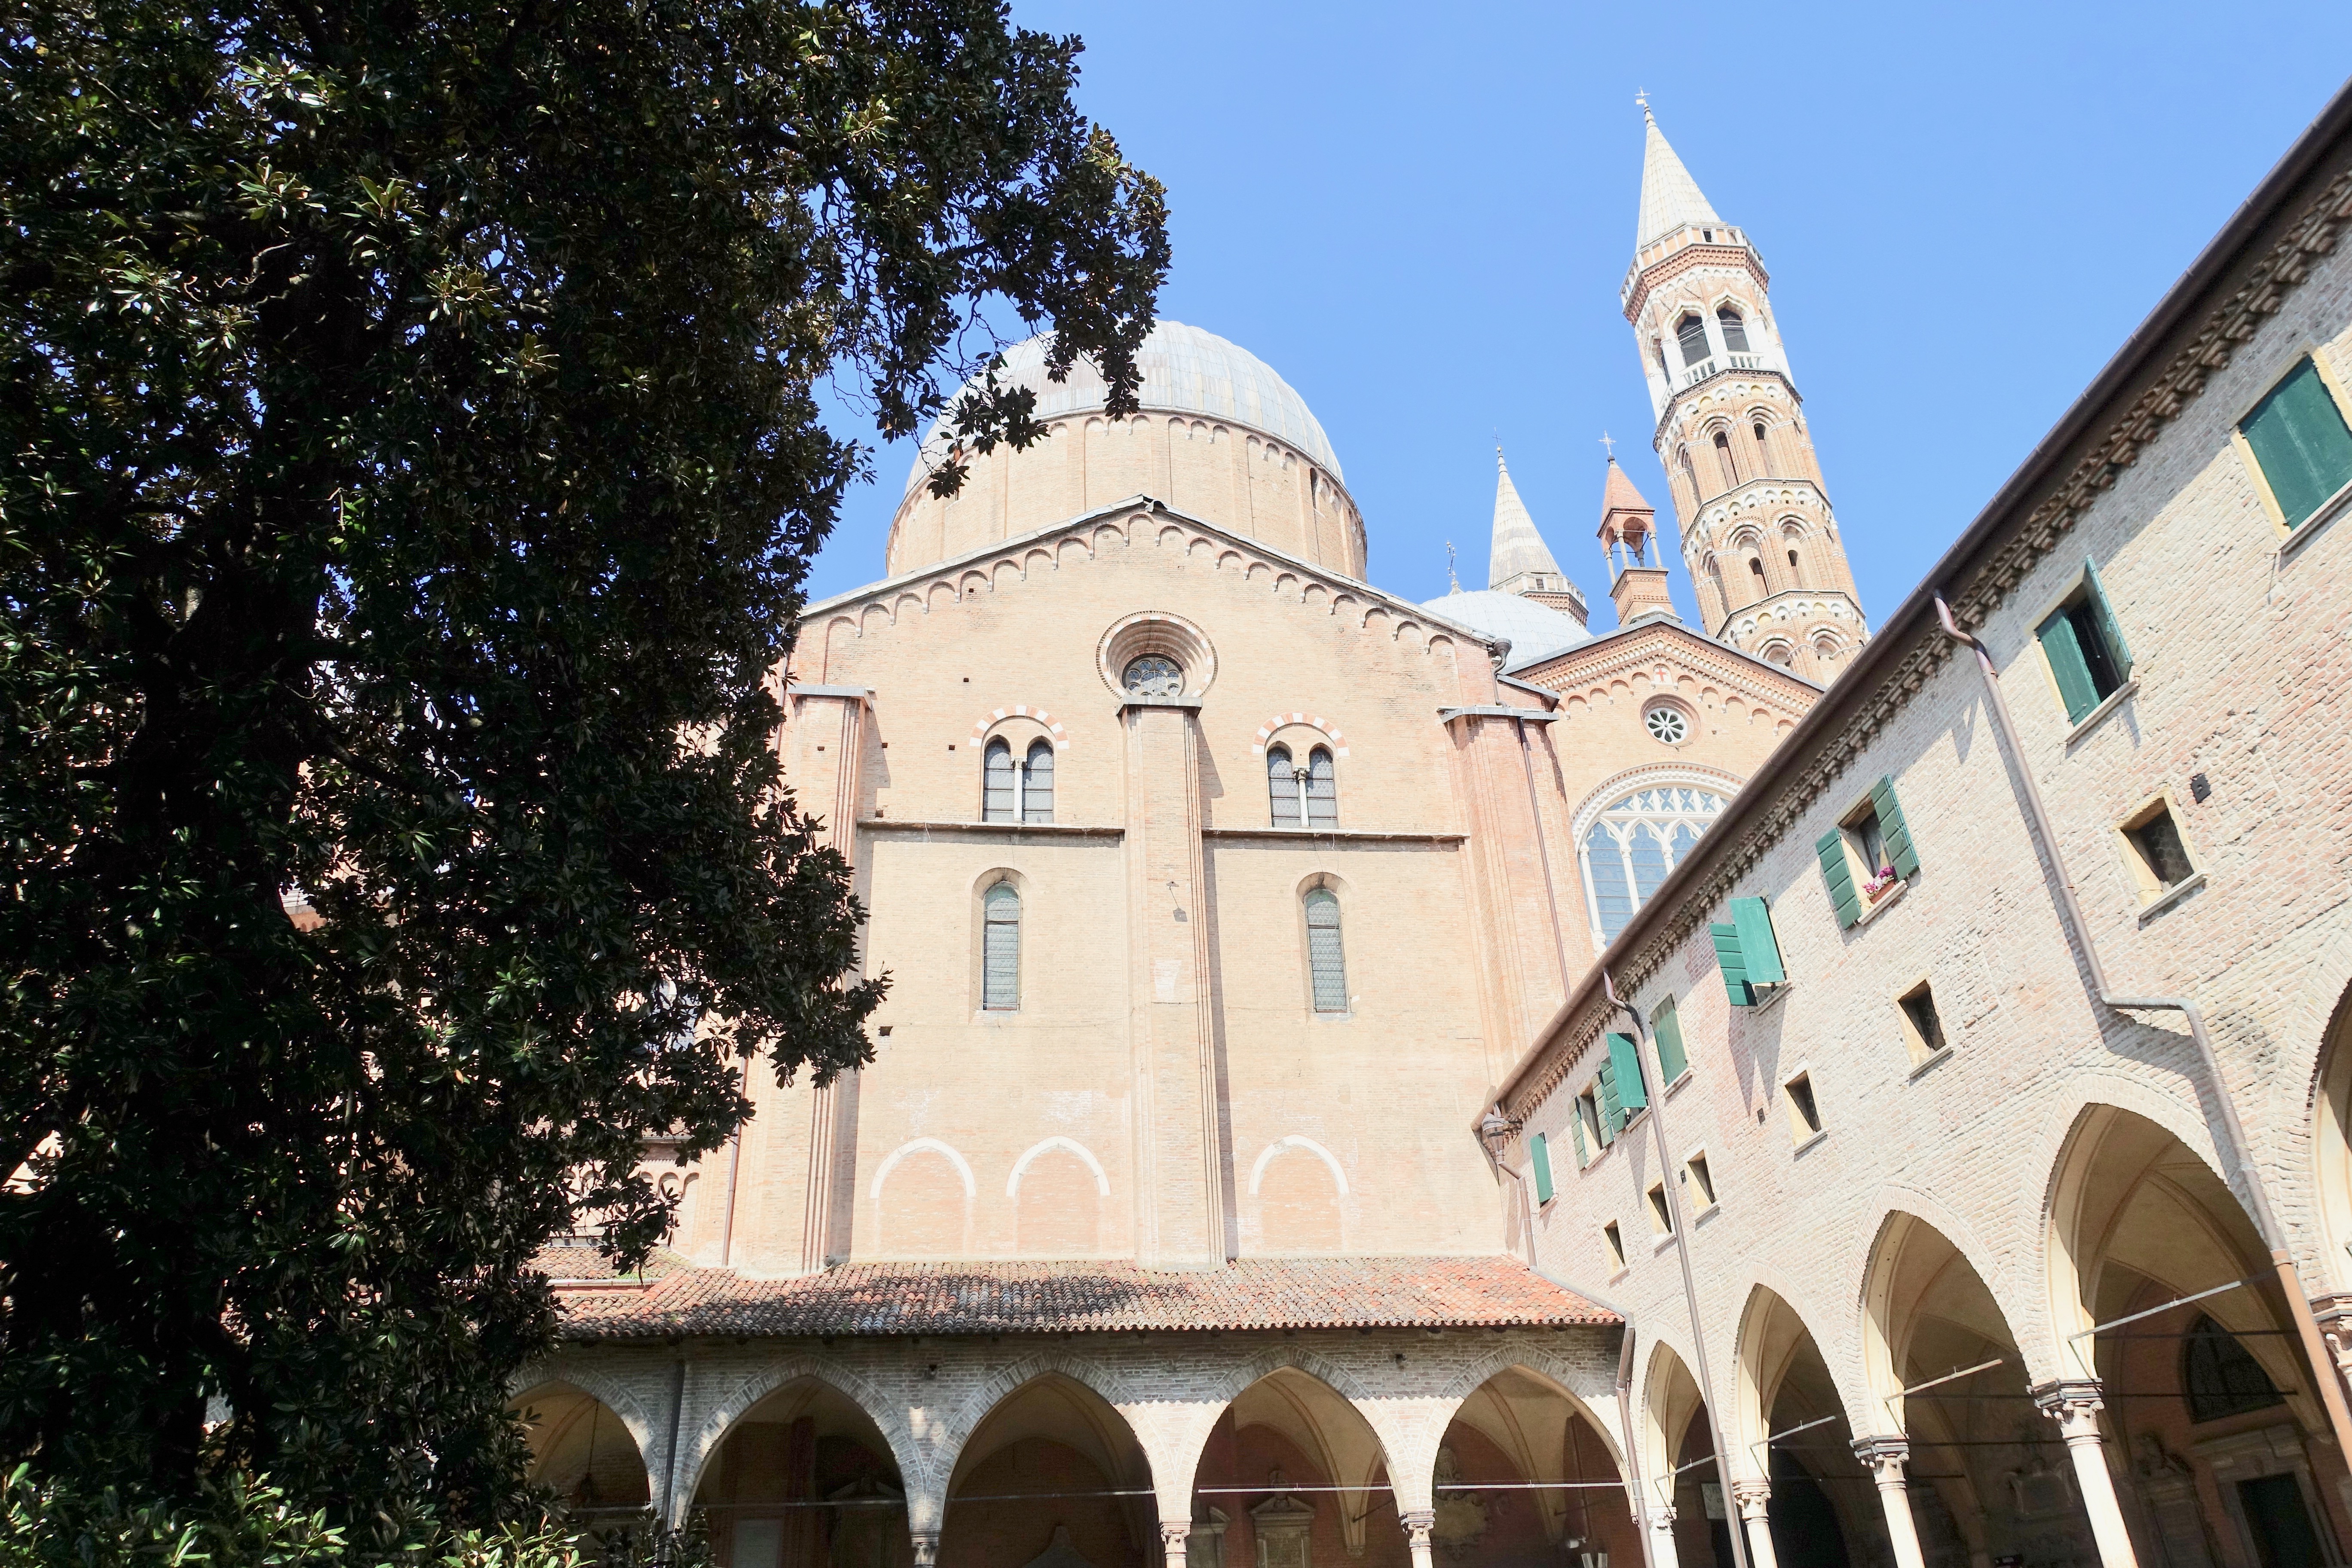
1879	886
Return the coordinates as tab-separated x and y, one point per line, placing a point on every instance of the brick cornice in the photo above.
1647	280
2114	444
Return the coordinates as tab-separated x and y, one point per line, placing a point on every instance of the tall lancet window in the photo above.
1735	331
1691	333
1000	953
1327	964
1630	846
1302	796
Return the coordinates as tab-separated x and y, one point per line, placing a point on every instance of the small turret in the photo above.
1629	538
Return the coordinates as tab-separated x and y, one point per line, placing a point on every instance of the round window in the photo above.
1153	675
1667	724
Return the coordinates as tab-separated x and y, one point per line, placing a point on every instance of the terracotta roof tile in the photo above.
886	1299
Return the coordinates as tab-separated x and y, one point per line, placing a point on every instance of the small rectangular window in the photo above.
1804	1114
1662	1213
1539	1156
1588	1112
1614	1241
1667	1030
1626	1077
1923	1031
1868	854
2300	442
1749	952
2084	645
1700	1179
2160	854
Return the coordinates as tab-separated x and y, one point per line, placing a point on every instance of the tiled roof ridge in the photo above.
886	1298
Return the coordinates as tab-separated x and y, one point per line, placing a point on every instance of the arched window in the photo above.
1763	449
1302	797
1327	965
1735	331
1691	333
1756	565
2218	1375
1023	793
1630	846
1000	953
1723	456
1037	782
1000	799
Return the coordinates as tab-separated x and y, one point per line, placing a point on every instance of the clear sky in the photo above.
1420	218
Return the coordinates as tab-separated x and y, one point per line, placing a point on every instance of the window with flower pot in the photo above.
1867	854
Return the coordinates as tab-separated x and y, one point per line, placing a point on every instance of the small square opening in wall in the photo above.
1804	1112
1662	1213
1614	1241
2157	853
1923	1030
1700	1179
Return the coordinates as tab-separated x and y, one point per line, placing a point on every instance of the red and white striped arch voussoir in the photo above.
1283	721
982	725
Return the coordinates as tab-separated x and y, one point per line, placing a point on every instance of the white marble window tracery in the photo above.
1630	846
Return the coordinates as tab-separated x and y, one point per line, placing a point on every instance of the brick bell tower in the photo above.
1757	534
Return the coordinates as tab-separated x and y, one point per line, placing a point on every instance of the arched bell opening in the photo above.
804	1479
1526	1475
1821	1505
583	1453
1051	1476
2209	1403
1293	1476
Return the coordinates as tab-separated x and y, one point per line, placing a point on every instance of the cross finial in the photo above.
1641	97
1609	446
1454	583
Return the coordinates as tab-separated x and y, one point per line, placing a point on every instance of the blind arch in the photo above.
1327	961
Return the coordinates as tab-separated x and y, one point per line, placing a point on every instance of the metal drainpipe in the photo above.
2233	1132
1672	1181
1625	1359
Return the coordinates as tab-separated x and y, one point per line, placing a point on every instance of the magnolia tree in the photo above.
411	466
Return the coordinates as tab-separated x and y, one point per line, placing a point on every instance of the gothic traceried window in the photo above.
1735	331
1691	333
2218	1376
1630	849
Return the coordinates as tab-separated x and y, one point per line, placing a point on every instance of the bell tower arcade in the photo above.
1757	534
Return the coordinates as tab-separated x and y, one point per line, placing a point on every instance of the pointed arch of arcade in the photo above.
1053	1462
1521	1426
2138	1219
1297	1414
588	1441
785	1389
1791	1427
2332	1140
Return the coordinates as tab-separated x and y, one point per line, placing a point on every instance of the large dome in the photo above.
1185	370
1537	632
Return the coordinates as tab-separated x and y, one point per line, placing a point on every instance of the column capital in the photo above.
2075	1404
1418	1523
1884	1457
1175	1534
1662	1520
927	1548
1754	1498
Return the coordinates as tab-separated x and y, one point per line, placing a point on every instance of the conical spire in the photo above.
1670	198
1620	502
1518	550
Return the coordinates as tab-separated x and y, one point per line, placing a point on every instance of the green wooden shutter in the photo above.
1612	1115
1539	1156
1893	829
2064	652
1734	965
1757	946
1667	1030
1838	872
1627	1064
2111	630
1576	1131
2299	437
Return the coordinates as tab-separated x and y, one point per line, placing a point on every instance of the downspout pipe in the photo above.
2235	1152
1633	1442
1671	1179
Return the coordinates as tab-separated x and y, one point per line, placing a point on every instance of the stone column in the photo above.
1180	1167
1754	1500
1418	1523
2075	1407
1175	1534
1662	1538
1885	1458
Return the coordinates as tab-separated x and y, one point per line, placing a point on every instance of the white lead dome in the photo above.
1185	370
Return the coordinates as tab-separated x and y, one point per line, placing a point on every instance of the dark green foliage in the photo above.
410	469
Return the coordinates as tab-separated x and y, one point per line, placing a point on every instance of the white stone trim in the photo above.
1329	731
1013	1183
917	1145
995	716
1283	1145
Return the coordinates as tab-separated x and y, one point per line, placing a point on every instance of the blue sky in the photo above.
1420	217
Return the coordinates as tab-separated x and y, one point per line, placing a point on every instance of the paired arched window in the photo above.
1630	846
1327	963
1735	331
1302	796
1000	949
1691	333
1022	793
